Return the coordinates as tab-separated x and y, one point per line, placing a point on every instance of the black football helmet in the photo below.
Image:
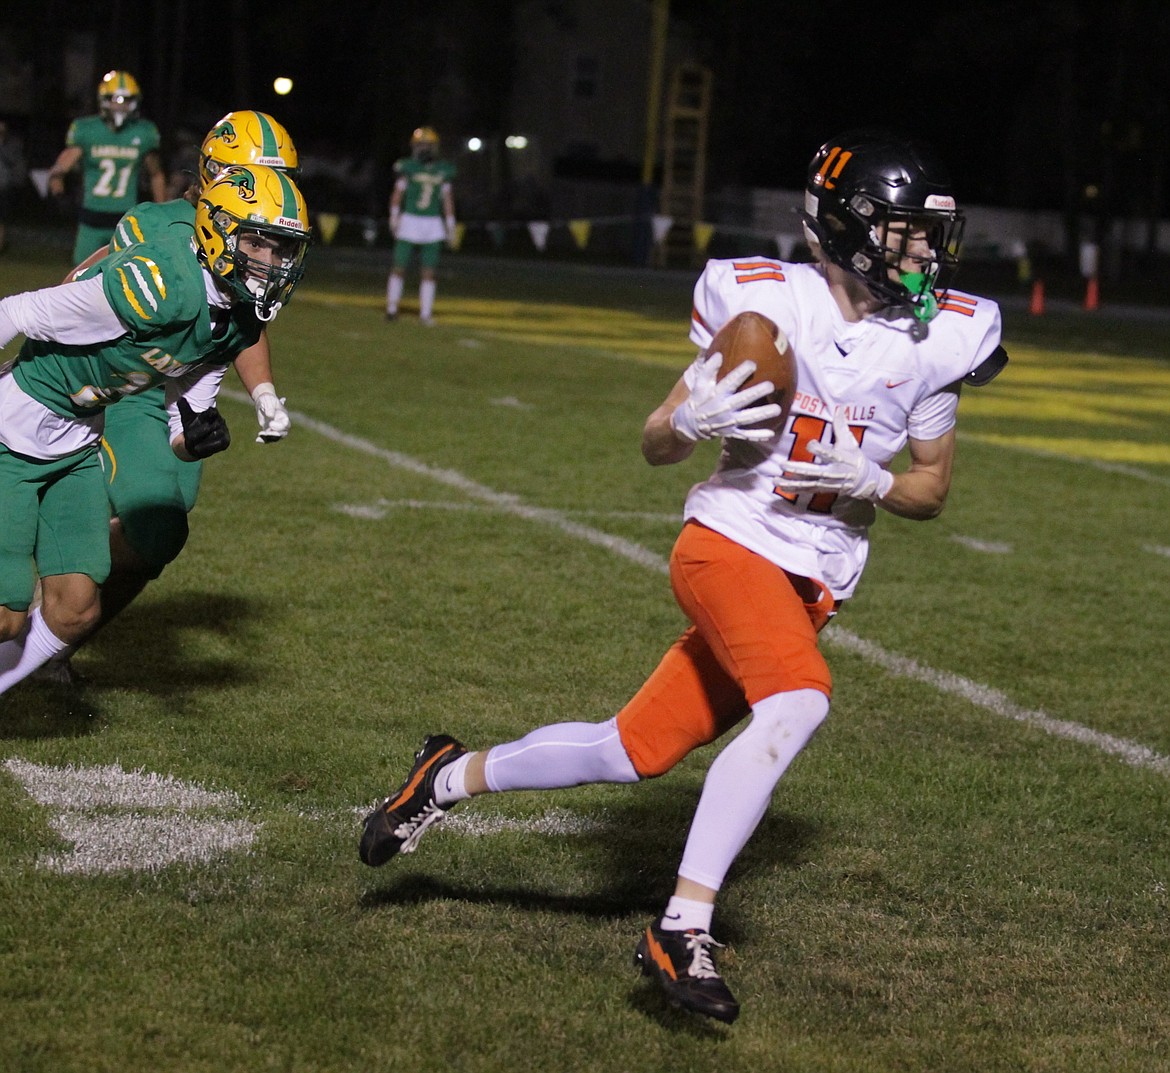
862	182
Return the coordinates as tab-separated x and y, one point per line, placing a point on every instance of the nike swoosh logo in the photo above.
898	383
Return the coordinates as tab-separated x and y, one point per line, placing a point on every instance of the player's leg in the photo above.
150	490
687	701
763	633
396	281
72	554
428	261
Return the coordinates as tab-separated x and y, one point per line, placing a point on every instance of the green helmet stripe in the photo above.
288	192
268	144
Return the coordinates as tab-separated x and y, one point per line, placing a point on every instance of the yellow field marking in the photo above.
1073	389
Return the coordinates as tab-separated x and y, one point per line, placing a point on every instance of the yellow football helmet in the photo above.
424	143
252	232
118	97
246	137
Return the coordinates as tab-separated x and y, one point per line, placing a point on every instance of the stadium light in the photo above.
283	86
475	144
516	141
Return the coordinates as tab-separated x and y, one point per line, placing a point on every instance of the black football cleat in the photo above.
681	962
398	824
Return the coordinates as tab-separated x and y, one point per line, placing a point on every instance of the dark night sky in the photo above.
1029	102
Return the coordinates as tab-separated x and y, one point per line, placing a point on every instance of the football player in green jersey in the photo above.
422	216
167	310
151	492
112	148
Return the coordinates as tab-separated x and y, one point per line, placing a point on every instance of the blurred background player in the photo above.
776	538
152	492
422	217
166	310
113	148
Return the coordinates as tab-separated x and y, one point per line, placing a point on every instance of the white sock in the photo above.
393	293
563	754
684	913
739	784
40	646
426	298
451	784
11	651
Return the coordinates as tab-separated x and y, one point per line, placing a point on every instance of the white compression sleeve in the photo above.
562	754
73	313
740	782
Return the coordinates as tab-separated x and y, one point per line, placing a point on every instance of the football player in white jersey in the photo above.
776	538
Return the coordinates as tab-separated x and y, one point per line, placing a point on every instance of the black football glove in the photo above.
204	433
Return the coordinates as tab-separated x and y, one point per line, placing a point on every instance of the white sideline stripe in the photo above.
506	502
991	547
554	821
991	699
1157	549
378	509
1131	752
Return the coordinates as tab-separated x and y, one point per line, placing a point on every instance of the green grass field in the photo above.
968	869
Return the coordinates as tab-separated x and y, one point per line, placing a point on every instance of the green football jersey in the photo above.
157	290
175	220
424	181
111	160
153	220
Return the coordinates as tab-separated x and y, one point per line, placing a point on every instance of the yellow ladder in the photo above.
684	161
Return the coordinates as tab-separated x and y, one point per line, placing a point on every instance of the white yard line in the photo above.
1131	752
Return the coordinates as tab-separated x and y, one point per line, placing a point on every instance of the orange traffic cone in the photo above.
1092	294
1037	306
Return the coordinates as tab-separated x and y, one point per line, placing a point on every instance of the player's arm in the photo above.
197	429
254	368
77	314
700	406
921	491
661	445
66	161
92	259
155	176
449	212
396	196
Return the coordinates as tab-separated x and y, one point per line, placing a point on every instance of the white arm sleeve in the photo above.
73	313
199	387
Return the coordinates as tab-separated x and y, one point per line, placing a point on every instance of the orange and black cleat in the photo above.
682	963
398	824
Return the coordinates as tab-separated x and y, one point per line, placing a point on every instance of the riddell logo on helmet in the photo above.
940	201
289	221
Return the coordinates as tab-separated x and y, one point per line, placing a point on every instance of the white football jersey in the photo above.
892	387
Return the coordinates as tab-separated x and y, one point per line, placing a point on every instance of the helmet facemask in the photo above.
117	108
252	233
245	268
907	253
424	145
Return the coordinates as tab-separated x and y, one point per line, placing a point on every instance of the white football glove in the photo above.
273	418
840	468
717	408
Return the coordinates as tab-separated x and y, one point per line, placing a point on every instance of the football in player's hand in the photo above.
753	337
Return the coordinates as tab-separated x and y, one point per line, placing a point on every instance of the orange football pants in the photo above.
754	634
